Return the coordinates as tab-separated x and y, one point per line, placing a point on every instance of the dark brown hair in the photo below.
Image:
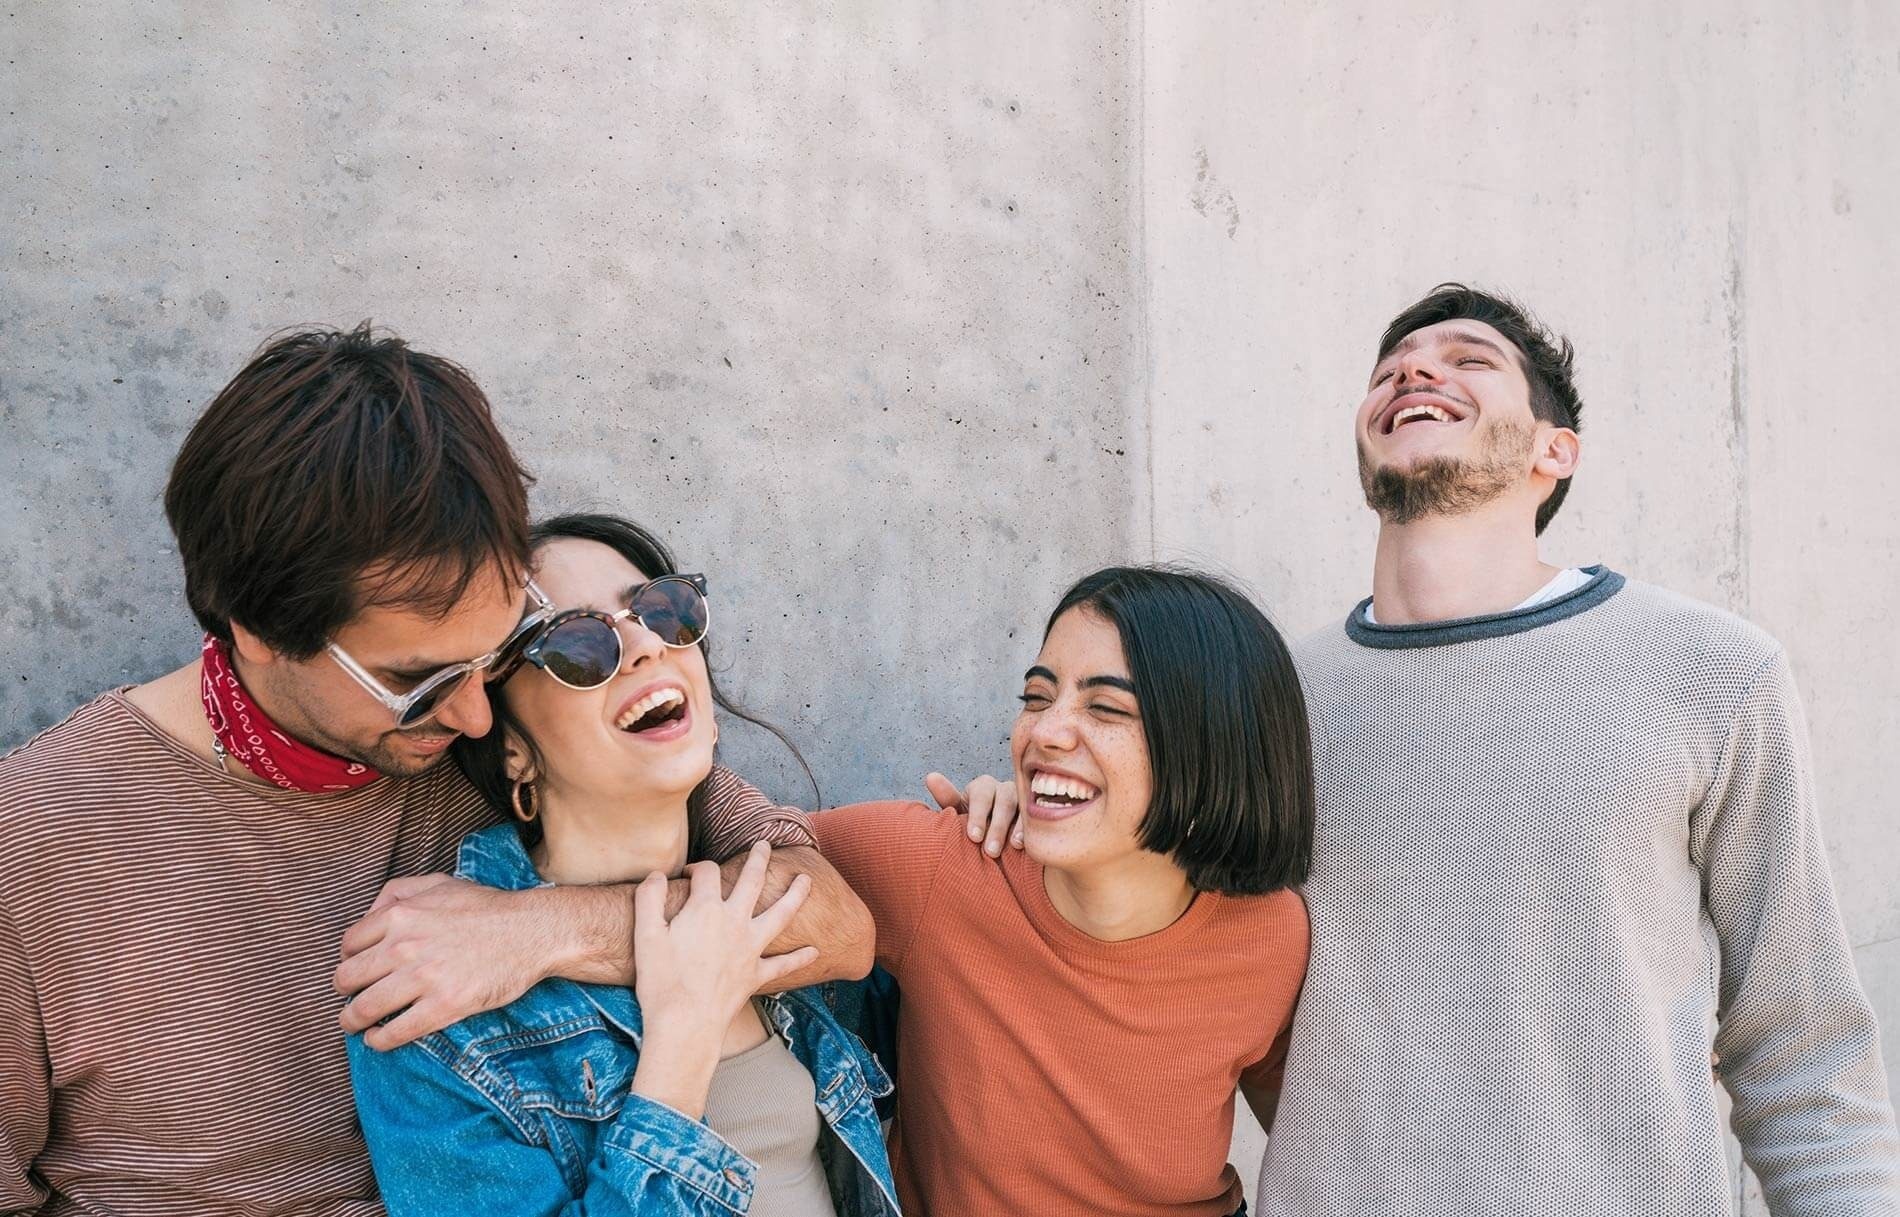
340	470
1546	358
1229	750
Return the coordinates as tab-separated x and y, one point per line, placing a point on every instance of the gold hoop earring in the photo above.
515	799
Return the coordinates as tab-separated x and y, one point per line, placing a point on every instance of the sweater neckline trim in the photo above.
1603	584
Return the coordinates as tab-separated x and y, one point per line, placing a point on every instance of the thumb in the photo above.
944	791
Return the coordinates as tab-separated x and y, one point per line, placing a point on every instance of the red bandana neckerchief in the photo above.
246	733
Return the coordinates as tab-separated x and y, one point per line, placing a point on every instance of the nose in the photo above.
467	709
1417	366
1054	729
638	644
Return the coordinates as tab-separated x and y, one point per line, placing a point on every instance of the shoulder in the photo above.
91	737
1708	654
892	825
96	770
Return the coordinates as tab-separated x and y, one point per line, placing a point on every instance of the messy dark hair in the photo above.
339	470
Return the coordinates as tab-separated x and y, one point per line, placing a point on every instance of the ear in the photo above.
250	648
516	761
1558	451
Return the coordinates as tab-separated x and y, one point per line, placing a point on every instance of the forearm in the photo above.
591	928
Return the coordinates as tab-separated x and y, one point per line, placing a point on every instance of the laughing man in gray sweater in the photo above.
1567	877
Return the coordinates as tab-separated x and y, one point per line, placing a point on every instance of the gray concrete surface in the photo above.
896	317
1702	195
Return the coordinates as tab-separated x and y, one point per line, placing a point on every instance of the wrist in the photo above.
677	1071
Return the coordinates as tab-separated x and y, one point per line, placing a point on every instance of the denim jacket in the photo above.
528	1109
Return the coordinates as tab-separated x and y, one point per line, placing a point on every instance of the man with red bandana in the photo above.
180	861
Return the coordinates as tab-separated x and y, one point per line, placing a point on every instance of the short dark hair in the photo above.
1545	357
337	470
1225	721
483	759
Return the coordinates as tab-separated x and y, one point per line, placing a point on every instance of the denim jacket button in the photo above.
734	1177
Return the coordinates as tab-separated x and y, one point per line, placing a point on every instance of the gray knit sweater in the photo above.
1567	857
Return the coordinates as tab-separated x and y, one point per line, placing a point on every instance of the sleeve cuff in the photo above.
685	1149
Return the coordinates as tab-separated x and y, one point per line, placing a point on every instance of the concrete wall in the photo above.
896	317
840	298
1703	195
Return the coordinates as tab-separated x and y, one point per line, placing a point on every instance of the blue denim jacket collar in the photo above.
495	857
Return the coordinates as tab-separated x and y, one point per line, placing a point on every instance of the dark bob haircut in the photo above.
1545	358
336	471
484	759
1225	722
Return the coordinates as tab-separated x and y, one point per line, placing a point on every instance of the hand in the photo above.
991	805
694	974
438	949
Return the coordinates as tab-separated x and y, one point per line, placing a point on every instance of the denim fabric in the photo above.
527	1109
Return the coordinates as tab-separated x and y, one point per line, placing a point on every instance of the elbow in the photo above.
859	951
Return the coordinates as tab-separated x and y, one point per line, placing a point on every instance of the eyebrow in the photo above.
1412	341
1093	682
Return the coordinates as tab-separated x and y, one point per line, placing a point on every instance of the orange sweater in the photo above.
1041	1071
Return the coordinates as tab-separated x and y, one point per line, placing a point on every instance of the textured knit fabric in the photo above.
1565	858
168	1036
1042	1071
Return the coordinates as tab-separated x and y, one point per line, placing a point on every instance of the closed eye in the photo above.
1033	701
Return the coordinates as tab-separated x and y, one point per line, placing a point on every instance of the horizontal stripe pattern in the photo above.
168	1038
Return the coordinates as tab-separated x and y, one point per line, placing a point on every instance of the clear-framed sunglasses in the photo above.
583	649
425	701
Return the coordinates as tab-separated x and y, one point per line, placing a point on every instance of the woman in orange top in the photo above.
1076	1017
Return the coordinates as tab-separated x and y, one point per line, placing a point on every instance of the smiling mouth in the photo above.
1056	795
654	712
1423	412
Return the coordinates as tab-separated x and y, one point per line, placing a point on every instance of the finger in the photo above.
751	881
379	1001
773	968
405	888
1002	818
771	922
702	883
361	970
1016	836
649	907
412	1024
944	791
365	933
979	798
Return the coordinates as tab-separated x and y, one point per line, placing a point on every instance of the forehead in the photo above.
574	573
1450	333
1083	643
474	623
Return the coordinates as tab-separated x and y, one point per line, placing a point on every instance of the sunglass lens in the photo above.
673	609
424	708
583	653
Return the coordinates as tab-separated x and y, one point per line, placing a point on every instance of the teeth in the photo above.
1066	788
646	705
1411	412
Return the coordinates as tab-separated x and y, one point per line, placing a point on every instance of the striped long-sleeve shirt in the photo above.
168	1036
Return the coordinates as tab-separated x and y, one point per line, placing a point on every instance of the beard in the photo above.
1448	485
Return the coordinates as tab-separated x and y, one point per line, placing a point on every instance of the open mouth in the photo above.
1419	412
1054	795
655	712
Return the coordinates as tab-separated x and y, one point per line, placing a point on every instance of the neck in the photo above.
1441	568
595	839
1131	897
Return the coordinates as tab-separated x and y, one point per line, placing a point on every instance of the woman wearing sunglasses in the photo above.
1077	1016
687	1095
